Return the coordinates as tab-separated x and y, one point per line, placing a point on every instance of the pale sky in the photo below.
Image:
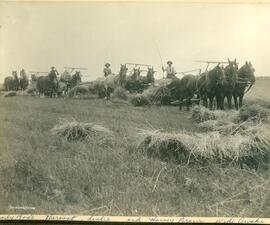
35	36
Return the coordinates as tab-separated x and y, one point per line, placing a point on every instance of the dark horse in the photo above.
11	83
183	90
137	83
230	81
47	85
246	79
210	85
23	80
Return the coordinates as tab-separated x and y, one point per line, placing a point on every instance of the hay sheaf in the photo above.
251	146
140	100
120	93
10	94
254	112
201	114
78	131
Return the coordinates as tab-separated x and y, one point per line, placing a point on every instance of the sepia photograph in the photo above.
144	109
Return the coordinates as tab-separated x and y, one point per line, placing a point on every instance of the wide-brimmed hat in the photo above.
107	64
169	62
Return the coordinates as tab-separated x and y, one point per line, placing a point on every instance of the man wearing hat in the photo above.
170	71
53	73
107	70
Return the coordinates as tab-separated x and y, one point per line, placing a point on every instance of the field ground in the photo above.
38	169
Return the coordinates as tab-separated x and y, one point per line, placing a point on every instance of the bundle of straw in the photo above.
77	131
252	145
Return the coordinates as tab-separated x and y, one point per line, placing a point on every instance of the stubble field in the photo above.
39	169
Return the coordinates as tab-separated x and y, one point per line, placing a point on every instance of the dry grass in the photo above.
77	131
252	144
120	93
201	114
254	112
10	94
140	100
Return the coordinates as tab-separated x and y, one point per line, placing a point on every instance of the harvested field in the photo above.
131	172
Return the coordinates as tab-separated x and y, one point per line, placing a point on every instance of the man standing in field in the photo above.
170	71
107	70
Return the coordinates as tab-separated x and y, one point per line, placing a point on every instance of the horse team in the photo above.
218	84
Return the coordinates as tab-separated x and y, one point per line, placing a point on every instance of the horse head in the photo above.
123	74
33	77
219	75
78	77
247	72
15	75
231	71
150	74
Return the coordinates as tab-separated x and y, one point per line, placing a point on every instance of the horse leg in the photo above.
229	99
180	103
235	101
241	100
188	103
211	102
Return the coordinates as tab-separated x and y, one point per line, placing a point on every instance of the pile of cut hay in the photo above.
120	93
10	94
201	114
77	131
254	112
250	147
222	126
78	90
158	95
139	100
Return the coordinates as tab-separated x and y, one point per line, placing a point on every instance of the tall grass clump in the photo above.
77	131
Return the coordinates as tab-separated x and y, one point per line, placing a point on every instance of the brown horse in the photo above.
245	81
230	81
11	83
210	85
183	90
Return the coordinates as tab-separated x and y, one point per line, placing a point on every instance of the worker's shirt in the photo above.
107	71
170	70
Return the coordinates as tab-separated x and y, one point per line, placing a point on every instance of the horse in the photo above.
150	75
137	83
23	80
110	82
183	90
210	85
47	85
11	83
246	79
67	81
230	81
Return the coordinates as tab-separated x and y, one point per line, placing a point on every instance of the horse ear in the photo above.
229	60
235	60
246	62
